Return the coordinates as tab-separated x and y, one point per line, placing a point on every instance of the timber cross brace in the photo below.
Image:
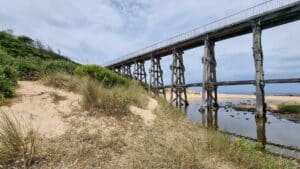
126	70
156	77
178	92
139	72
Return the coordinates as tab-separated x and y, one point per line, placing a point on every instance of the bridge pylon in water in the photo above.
209	89
156	77
178	90
139	72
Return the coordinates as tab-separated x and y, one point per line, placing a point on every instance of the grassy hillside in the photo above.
22	58
23	46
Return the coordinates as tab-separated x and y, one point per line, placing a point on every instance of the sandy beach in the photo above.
194	96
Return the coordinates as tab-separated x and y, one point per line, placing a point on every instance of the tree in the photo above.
25	39
39	45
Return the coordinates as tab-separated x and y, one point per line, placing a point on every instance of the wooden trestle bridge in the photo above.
252	20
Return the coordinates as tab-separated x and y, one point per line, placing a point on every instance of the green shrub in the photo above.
103	75
6	86
63	80
59	66
2	99
25	39
22	46
11	73
289	108
100	101
30	68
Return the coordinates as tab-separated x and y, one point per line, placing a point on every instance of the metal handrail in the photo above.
236	17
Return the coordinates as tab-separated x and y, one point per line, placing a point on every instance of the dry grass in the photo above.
17	143
99	100
57	98
175	142
92	146
171	142
63	81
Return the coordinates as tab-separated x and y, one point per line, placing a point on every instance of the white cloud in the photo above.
96	31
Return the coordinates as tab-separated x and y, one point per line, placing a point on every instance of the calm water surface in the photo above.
277	134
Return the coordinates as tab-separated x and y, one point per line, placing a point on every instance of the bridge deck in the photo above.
278	16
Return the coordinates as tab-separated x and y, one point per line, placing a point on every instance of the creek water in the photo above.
278	135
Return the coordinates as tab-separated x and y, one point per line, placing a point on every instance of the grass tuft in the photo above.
101	101
63	81
17	143
57	98
289	108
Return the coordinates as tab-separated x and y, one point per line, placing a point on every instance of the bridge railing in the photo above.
226	21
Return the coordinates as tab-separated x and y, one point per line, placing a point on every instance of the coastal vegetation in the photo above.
104	133
22	58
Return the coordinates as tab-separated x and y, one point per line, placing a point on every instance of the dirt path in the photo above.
147	114
43	107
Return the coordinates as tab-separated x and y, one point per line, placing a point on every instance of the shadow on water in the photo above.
276	135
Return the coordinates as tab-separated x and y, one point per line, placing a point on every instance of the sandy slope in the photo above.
35	104
146	114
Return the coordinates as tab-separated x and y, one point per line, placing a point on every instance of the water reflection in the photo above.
209	118
261	132
276	134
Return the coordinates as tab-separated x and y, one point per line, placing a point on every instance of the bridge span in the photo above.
252	20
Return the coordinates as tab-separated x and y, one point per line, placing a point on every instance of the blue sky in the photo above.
97	31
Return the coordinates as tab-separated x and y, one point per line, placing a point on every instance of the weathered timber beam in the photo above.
242	82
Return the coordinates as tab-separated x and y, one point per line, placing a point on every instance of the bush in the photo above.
100	101
289	108
11	73
6	86
2	99
59	66
63	80
30	68
103	75
17	143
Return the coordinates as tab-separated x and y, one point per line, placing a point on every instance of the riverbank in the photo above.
275	99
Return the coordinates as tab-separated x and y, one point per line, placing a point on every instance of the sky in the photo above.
98	31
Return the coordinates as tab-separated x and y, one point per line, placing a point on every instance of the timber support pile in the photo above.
209	90
139	72
117	69
178	91
126	70
258	58
156	77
